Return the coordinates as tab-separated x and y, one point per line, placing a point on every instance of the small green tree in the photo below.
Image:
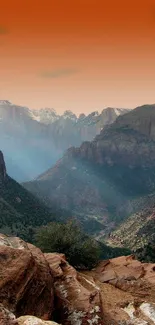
81	250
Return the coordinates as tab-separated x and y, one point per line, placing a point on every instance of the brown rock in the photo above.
31	320
77	297
26	283
6	317
130	275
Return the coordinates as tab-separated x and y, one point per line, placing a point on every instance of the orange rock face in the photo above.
129	275
77	298
26	283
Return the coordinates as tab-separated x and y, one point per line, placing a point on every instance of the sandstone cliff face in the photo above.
27	286
45	286
142	120
77	300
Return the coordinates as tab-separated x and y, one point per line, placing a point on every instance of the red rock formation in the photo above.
77	298
129	275
119	291
26	284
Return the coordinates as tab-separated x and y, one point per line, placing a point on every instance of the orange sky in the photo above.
81	55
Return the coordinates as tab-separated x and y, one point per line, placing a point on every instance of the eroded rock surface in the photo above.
130	275
26	283
77	298
128	291
6	317
119	291
32	320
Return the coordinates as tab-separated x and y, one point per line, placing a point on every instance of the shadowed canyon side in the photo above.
22	214
108	179
20	211
2	167
33	140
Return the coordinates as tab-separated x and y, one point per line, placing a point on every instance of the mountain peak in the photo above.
5	102
69	114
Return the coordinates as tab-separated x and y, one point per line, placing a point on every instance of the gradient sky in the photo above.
81	55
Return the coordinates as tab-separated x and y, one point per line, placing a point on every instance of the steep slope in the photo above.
32	141
20	211
106	179
26	144
137	233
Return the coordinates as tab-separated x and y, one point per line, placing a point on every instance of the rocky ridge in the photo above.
33	140
109	178
45	286
38	289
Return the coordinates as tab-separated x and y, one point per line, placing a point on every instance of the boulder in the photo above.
6	317
32	320
77	298
26	283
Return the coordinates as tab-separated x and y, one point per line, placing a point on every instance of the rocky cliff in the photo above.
109	178
118	291
20	211
32	141
45	286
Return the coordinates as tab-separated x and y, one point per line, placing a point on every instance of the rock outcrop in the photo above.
118	291
29	281
31	320
6	317
78	300
26	284
129	286
129	274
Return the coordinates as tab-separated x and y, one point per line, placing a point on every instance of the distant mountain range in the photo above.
108	183
109	178
33	140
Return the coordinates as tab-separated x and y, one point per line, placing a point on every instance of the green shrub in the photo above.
81	250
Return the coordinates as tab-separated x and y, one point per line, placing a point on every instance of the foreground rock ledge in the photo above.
26	283
36	288
30	282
